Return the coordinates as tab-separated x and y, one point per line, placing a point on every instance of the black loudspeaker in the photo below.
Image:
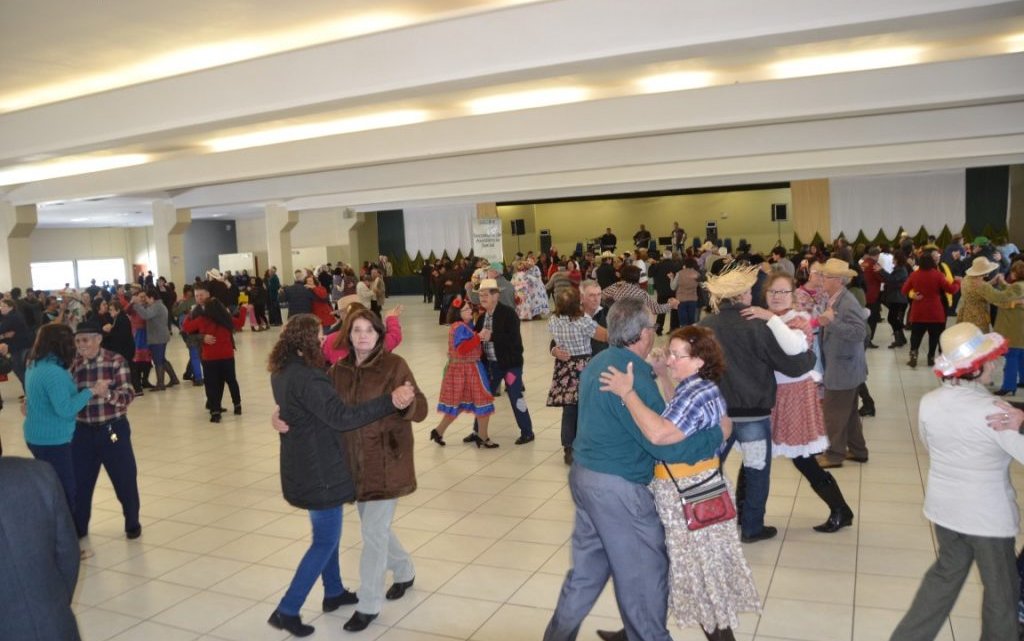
545	241
779	212
519	227
711	232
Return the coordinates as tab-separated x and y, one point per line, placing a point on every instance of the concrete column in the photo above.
16	225
169	225
280	222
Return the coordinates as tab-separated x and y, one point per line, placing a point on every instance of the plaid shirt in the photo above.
107	366
697	405
572	334
622	289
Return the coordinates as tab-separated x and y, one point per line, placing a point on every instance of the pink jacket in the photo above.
392	338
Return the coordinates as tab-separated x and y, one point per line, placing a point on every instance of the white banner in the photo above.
870	203
444	228
487	239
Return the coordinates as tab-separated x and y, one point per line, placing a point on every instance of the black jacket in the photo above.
893	292
315	472
299	299
120	338
606	275
508	342
752	356
39	563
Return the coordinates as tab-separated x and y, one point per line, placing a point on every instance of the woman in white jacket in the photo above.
798	425
969	498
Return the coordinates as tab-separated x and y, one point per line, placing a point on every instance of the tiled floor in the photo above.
489	529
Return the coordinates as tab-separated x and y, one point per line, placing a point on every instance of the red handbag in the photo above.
705	502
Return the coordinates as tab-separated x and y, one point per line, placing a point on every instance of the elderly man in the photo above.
148	305
844	329
498	328
752	357
298	295
617	532
103	436
506	292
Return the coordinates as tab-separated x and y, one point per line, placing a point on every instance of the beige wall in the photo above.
71	244
739	214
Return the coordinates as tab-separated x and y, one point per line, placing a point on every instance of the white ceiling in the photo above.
957	101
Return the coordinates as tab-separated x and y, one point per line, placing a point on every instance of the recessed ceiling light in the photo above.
527	99
843	62
675	81
71	166
79	220
1015	43
318	130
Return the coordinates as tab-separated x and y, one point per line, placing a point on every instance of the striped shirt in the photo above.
107	366
697	405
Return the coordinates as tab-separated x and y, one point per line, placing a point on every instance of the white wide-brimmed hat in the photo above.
708	246
489	283
981	266
606	254
965	348
837	267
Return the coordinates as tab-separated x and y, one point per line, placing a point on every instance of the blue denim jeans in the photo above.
1013	370
687	312
497	374
320	561
755	438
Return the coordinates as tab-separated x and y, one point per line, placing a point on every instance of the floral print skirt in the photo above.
565	381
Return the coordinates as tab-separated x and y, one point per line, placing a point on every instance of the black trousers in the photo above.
274	312
917	331
895	317
215	375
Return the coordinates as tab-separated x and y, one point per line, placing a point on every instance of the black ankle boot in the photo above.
292	624
840	515
913	358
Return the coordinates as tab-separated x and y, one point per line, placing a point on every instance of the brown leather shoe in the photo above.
826	463
856	459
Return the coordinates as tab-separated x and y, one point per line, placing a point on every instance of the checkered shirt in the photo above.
108	366
573	334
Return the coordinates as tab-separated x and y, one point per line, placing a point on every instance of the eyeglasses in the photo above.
779	292
678	357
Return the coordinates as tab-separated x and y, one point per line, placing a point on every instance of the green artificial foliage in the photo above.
797	243
944	238
861	239
921	237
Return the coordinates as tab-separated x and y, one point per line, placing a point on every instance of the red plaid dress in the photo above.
464	387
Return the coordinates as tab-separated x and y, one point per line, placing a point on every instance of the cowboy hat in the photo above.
837	267
965	349
732	282
981	266
708	246
488	283
606	254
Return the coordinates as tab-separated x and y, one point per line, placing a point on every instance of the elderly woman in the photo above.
336	345
381	456
531	295
315	472
926	287
969	497
977	294
798	425
710	580
571	331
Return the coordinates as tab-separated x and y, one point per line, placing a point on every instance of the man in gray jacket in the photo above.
39	566
844	328
148	305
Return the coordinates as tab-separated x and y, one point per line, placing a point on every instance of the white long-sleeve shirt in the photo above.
969	489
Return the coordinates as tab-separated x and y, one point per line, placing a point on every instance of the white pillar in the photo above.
280	222
169	226
16	225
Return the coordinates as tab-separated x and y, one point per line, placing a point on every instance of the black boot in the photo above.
741	493
608	635
840	515
913	358
867	403
160	376
144	369
171	375
136	372
720	634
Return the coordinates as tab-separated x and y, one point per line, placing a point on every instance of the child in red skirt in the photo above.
464	387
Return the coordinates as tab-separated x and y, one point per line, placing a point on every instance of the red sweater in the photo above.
224	347
929	283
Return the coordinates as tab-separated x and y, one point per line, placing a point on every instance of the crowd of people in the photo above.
765	355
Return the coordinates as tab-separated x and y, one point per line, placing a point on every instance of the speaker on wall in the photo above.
518	226
779	212
545	241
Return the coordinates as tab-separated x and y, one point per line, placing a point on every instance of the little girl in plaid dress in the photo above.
464	387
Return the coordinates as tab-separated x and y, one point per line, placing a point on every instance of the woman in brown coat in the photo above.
381	457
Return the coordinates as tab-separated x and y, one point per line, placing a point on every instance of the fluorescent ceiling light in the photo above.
675	81
202	57
1015	43
317	130
527	99
68	167
843	62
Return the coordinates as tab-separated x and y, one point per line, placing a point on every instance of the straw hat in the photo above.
965	349
981	266
345	301
837	267
214	274
732	282
606	254
488	283
708	246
